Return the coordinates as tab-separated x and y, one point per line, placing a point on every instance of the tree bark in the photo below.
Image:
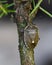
26	50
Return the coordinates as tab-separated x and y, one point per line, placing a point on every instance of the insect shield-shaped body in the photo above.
31	36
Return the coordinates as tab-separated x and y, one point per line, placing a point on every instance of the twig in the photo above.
3	1
10	5
1	15
49	2
35	8
45	11
33	3
3	9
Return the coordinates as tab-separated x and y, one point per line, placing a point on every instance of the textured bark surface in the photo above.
23	8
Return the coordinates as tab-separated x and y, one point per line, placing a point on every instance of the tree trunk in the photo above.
26	49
